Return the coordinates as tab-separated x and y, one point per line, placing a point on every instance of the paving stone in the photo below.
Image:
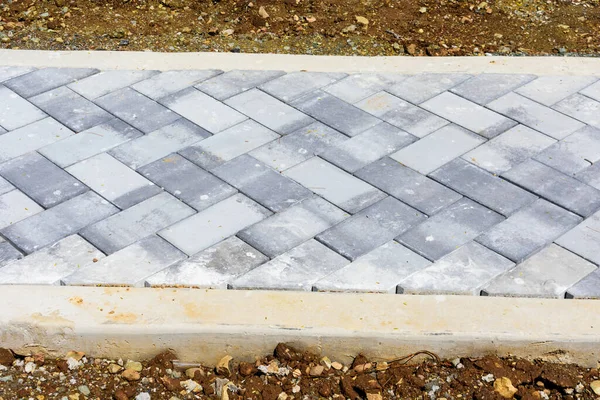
58	222
188	182
548	273
556	187
90	142
158	144
402	114
105	82
509	149
8	253
549	90
293	226
261	183
573	154
414	189
438	148
464	271
292	149
468	115
42	80
212	268
298	269
14	207
49	265
144	258
71	109
170	82
9	72
590	175
370	228
5	186
582	108
15	111
336	113
235	82
269	111
137	110
2	130
357	87
369	146
293	85
587	288
592	91
529	230
214	224
41	180
378	271
484	88
584	239
449	229
140	221
227	145
535	115
420	88
203	110
113	180
335	185
483	187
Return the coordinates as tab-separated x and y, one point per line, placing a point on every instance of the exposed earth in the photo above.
335	27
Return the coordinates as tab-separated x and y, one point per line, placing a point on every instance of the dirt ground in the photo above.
290	374
340	27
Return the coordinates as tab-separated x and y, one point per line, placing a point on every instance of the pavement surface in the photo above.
481	184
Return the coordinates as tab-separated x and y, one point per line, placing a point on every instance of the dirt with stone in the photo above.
292	374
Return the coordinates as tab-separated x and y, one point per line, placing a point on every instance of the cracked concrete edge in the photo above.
203	325
108	60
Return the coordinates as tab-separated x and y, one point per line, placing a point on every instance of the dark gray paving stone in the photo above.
420	88
105	82
42	80
169	82
575	153
9	72
235	82
8	253
582	108
549	90
15	111
590	175
484	88
587	288
295	84
584	239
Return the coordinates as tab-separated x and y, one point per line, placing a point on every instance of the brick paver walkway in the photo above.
433	183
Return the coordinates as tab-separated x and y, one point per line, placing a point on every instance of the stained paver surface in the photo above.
423	184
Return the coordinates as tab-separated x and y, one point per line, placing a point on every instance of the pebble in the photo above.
505	388
262	12
30	367
595	385
84	390
124	42
336	365
579	388
317	370
130	375
326	362
362	20
143	396
488	378
296	389
114	368
134	365
191	386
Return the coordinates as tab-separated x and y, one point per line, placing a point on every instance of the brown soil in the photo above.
383	27
290	374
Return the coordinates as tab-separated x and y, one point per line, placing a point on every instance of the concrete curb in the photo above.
228	61
204	325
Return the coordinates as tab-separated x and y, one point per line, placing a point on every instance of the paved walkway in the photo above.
445	183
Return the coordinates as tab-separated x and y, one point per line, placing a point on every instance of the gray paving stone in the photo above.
370	228
261	183
2	130
90	142
269	111
464	271
584	239
529	230
378	271
336	113
8	253
582	108
143	258
535	115
549	90
357	87
438	148
590	175
556	187
335	185
483	187
449	229
137	222
235	82
214	224
484	88
58	222
137	110
113	180
416	190
203	110
468	115
227	145
298	269
212	268
592	91
293	226
5	186
9	72
158	144
400	113
105	82
548	273
420	88
509	149
293	85
15	111
587	288
41	180
292	149
573	154
49	265
42	80
169	82
188	182
71	109
15	206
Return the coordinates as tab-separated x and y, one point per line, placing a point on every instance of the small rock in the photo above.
6	357
317	370
223	366
595	385
310	19
73	364
296	389
423	10
143	396
30	367
114	368
579	388
488	378
246	369
381	366
362	20
124	42
134	365
326	362
296	373
120	395
226	32
456	361
336	365
282	396
262	12
76	355
191	386
411	49
505	388
84	390
349	28
131	375
360	368
374	396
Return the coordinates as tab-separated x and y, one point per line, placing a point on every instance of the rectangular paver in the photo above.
15	111
235	82
420	88
592	91
8	253
584	239
484	88
572	154
293	85
42	80
549	90
582	108
8	72
106	82
587	288
15	206
357	87
169	82
5	186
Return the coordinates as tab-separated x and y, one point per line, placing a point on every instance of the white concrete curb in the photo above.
203	325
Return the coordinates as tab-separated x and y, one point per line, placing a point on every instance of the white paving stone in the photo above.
170	82
108	81
549	90
15	111
15	206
